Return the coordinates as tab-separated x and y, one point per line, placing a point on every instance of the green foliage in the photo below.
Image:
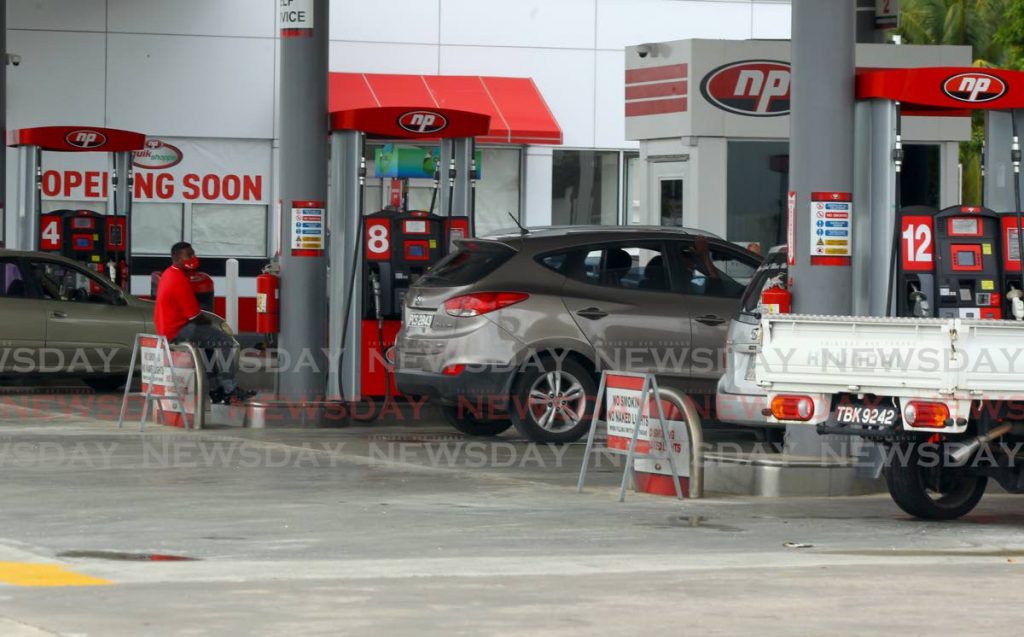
994	29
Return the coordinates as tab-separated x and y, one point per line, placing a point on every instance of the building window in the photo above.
497	190
585	187
756	187
229	230
155	227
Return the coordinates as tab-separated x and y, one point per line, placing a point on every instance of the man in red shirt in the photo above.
179	318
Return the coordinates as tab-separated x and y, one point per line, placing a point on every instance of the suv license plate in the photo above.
420	319
884	415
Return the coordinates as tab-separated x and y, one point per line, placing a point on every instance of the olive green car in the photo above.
60	318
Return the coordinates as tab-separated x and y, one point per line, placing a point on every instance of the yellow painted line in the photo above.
29	574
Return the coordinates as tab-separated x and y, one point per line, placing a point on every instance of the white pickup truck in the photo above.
944	398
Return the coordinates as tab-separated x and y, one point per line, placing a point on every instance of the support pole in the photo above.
303	97
3	124
346	302
26	219
463	149
444	163
821	144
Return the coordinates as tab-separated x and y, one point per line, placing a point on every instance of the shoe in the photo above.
217	396
239	395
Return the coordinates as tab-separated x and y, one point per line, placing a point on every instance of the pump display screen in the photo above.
414	226
82	223
965	259
964	227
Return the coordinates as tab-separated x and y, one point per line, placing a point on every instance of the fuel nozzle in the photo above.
1016	303
919	301
375	285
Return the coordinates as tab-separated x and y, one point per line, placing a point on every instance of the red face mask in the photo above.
190	265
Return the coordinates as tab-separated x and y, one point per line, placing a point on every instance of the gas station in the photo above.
336	497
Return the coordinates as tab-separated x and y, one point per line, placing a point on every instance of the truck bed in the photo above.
943	358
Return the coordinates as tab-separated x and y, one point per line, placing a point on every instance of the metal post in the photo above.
821	143
346	304
303	97
882	203
998	186
231	293
26	220
444	163
3	124
124	183
463	149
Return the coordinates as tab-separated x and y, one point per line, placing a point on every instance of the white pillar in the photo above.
537	204
231	294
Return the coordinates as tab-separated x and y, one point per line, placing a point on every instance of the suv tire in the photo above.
553	400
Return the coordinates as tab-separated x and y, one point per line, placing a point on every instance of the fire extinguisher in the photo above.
268	290
122	270
775	298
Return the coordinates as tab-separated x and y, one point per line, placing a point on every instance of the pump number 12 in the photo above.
918	246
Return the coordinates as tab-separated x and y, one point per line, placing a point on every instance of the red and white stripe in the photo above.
656	90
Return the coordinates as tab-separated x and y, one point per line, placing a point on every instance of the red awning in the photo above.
518	112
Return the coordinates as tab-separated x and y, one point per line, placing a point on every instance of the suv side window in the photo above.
59	282
713	270
12	280
633	267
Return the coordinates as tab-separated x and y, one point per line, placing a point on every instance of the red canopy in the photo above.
518	113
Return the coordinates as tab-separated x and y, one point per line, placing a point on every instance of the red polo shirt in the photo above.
176	303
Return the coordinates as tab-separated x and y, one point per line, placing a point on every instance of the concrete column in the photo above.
445	193
821	141
303	95
537	204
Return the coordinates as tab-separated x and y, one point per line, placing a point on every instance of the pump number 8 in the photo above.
378	241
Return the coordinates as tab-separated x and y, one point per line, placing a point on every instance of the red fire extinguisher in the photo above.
775	299
122	271
268	287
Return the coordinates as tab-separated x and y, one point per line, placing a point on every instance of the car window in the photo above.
557	262
472	261
635	267
60	282
712	270
12	281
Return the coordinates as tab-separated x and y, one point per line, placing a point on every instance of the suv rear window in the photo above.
472	261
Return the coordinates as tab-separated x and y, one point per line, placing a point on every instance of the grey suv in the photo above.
514	329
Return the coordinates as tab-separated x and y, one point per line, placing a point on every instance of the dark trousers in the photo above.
219	353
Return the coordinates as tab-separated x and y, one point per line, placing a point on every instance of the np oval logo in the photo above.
423	122
85	139
156	155
755	88
974	87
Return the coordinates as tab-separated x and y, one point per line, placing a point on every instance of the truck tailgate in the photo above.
885	356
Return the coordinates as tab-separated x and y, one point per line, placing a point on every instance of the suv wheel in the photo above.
553	401
468	423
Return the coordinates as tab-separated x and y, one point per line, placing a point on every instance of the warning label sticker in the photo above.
831	228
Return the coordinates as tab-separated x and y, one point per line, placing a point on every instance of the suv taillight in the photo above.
481	303
788	407
918	413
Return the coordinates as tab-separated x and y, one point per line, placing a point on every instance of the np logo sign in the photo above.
974	87
85	139
755	88
423	122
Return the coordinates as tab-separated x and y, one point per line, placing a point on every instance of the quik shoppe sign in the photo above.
173	170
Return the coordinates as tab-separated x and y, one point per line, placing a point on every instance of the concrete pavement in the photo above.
394	530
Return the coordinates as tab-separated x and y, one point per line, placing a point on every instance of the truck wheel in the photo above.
552	401
468	423
932	493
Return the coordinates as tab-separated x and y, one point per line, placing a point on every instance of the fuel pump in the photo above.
88	237
399	247
968	266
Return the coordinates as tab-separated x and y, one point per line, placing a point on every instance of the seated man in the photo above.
178	317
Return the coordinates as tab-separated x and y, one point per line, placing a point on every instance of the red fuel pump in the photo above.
89	237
